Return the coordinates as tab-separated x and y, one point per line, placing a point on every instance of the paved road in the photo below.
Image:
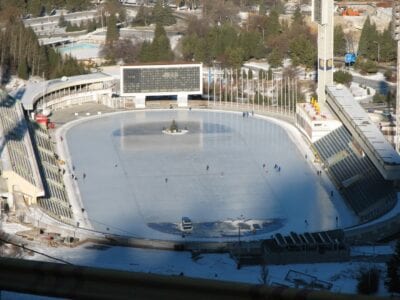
379	85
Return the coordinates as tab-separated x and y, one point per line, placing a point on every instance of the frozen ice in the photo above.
137	176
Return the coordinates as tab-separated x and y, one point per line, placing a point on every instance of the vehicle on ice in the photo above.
186	224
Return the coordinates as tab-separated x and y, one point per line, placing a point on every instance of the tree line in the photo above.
21	53
373	46
160	14
158	50
262	36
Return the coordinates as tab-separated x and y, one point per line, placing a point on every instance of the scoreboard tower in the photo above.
322	14
180	80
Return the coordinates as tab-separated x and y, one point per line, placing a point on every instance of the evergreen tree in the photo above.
162	14
302	51
35	8
388	46
112	34
275	58
339	41
23	70
297	18
262	10
77	5
367	45
161	46
61	21
21	53
234	57
273	26
146	52
251	44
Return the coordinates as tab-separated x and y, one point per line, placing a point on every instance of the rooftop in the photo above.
33	90
361	121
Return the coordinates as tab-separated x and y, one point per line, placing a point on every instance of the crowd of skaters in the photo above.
246	114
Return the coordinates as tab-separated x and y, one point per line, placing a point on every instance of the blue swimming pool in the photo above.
81	50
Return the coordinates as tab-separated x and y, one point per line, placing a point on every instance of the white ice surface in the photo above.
124	199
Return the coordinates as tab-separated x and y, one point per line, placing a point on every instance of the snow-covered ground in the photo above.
343	276
361	93
140	182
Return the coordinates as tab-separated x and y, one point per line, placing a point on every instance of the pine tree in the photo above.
35	8
61	21
297	18
302	51
275	58
112	34
23	70
146	52
162	14
387	45
161	46
339	41
273	26
367	45
262	10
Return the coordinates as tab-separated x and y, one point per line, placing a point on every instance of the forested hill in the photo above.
20	52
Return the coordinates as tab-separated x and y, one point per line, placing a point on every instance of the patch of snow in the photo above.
13	228
343	276
360	93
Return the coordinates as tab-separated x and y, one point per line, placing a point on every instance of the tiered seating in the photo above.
16	137
305	241
56	200
364	188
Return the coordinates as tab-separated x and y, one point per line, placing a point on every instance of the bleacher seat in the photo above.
356	177
56	200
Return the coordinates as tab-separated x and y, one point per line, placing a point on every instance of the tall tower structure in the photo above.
322	14
396	36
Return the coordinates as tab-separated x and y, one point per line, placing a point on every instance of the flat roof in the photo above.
33	90
362	122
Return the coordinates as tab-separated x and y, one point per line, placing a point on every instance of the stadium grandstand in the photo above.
19	167
29	162
56	201
66	91
357	157
364	188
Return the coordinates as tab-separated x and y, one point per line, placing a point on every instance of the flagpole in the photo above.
237	88
225	86
284	95
241	77
208	86
281	110
220	87
263	91
213	85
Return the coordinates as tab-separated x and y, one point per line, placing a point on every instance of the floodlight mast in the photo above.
396	37
322	14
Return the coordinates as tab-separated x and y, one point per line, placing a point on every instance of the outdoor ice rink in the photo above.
140	181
